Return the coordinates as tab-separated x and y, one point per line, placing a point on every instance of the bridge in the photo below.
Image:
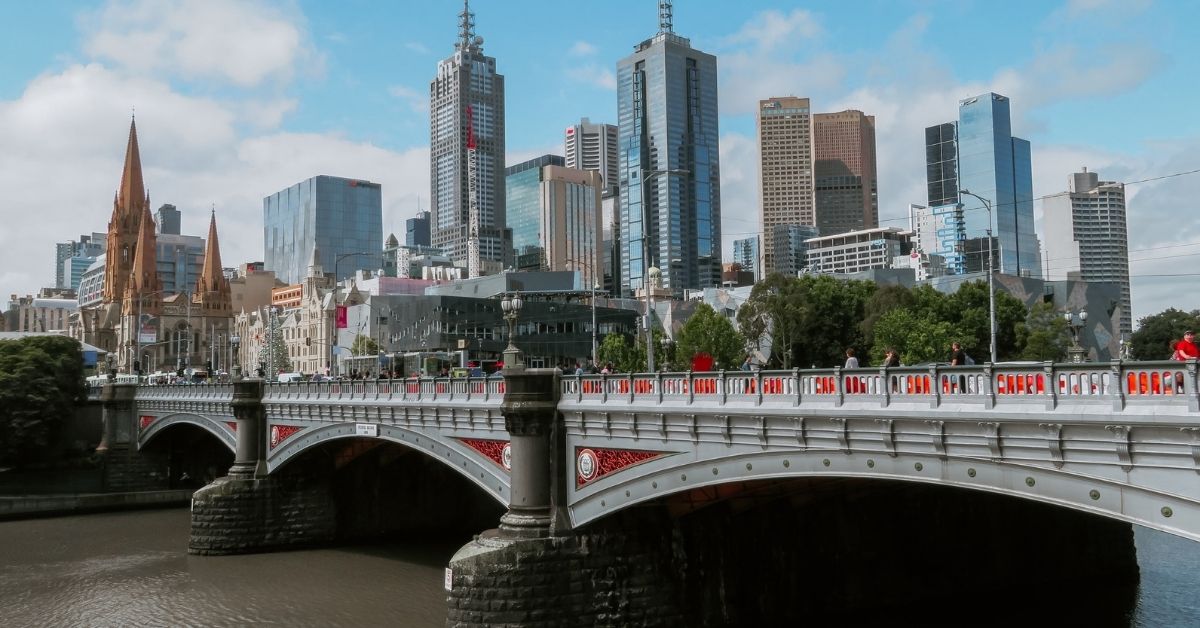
1119	439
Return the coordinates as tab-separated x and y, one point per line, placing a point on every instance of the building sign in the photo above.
366	429
341	317
147	334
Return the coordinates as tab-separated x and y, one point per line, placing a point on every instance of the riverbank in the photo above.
32	506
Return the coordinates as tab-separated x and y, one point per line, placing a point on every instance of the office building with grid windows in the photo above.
332	215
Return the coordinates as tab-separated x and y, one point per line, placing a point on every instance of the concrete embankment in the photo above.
29	506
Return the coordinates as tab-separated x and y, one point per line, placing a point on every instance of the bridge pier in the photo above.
123	467
249	511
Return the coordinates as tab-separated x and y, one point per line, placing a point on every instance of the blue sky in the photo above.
236	100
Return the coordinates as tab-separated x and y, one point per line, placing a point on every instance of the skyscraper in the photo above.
1086	236
668	147
846	188
331	214
166	220
747	253
523	208
416	230
593	146
785	179
980	154
466	143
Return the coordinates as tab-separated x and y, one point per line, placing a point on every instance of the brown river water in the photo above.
132	569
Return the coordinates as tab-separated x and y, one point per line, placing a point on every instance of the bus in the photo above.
428	363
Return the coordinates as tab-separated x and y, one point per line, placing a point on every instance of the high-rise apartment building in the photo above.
846	186
333	215
668	145
747	253
416	230
791	250
70	257
593	146
785	179
1087	237
166	220
466	143
980	154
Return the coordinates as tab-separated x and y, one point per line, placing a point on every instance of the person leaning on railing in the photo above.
1185	349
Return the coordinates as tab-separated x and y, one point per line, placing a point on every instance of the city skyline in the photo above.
317	91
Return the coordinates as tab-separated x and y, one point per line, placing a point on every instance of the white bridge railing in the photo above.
466	390
1121	383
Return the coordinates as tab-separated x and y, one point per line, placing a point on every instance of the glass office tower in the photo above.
667	120
981	155
523	207
335	215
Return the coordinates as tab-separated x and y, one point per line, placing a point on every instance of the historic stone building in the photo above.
139	323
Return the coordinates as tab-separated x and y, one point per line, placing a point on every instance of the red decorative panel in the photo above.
232	426
498	451
280	433
145	420
593	464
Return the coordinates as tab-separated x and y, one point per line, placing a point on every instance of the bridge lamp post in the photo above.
646	178
1076	322
991	286
236	358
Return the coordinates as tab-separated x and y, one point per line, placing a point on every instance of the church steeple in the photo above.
130	205
143	277
132	196
212	289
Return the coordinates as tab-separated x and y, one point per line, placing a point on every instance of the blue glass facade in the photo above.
990	162
522	204
335	215
416	230
667	120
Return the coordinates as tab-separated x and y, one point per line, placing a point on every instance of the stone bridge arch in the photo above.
151	425
479	460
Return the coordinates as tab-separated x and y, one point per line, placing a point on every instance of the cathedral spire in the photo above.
131	196
143	278
212	289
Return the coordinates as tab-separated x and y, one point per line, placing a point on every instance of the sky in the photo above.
238	99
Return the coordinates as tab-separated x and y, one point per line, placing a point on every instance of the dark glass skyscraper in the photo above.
667	120
416	230
980	154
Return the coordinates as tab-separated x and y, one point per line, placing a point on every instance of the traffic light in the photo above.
137	367
208	366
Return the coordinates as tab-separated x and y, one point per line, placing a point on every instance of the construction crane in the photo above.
473	269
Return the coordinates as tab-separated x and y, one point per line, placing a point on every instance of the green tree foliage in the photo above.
624	355
884	300
274	354
1044	335
917	336
41	381
364	345
810	320
967	310
1157	334
708	332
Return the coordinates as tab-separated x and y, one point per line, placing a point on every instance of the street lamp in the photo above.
646	178
1076	322
991	289
236	358
595	287
512	309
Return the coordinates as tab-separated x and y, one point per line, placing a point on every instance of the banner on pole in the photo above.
341	317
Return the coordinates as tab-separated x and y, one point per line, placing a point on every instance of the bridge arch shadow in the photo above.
384	486
842	550
186	450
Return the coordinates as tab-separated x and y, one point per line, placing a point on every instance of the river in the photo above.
132	569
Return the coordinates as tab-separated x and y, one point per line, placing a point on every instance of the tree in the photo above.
967	309
918	337
1157	334
1044	335
41	381
274	353
364	345
708	332
810	320
884	300
625	357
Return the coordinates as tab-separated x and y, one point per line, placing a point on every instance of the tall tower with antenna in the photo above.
466	133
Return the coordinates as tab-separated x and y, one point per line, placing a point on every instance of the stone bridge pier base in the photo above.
534	570
248	511
123	467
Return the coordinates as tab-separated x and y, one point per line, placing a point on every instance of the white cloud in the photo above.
1078	8
773	30
417	47
241	42
582	49
593	75
418	101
